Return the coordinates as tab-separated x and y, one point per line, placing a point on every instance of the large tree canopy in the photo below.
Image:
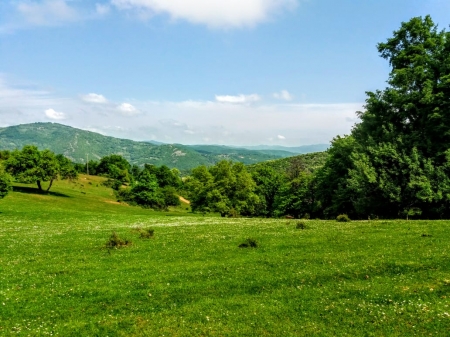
398	159
33	166
224	188
5	183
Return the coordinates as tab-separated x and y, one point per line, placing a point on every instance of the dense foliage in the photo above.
153	187
226	188
396	162
33	166
5	183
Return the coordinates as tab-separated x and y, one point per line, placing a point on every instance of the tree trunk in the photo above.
50	185
39	185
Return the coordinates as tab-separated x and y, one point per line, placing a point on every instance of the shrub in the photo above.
343	218
116	242
124	194
232	213
146	233
169	194
249	243
301	225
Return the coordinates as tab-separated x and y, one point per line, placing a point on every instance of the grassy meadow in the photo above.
363	278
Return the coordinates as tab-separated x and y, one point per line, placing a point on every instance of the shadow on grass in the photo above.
32	190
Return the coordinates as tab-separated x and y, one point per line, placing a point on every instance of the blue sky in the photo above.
236	72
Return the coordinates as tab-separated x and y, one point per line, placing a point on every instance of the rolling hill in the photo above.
80	145
310	162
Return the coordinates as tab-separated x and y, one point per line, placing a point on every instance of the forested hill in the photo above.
309	162
78	144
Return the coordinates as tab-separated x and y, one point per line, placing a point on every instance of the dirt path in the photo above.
184	200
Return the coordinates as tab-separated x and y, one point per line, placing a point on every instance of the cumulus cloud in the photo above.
188	122
94	98
127	109
47	12
283	95
213	13
52	114
239	99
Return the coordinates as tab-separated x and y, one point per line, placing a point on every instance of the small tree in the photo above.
33	166
146	192
5	183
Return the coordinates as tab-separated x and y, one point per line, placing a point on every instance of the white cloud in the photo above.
188	122
52	114
102	9
240	99
283	95
47	12
213	13
94	98
127	109
281	137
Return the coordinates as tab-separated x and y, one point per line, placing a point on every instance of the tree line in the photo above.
150	186
394	163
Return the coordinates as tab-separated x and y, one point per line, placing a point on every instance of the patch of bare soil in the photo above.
116	203
184	200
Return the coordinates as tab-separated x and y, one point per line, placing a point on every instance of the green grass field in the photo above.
379	278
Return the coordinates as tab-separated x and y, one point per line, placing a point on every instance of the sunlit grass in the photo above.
379	278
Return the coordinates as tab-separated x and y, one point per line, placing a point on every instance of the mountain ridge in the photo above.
80	145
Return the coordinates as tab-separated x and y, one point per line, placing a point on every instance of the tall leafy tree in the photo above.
268	186
33	166
146	191
115	167
222	188
297	196
5	183
332	191
400	163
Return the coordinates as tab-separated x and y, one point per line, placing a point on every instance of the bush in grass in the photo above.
146	233
342	218
232	213
301	225
249	243
115	241
124	194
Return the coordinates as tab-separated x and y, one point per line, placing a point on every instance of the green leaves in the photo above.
221	188
33	166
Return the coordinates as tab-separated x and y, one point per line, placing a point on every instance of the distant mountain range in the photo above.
269	149
297	149
80	145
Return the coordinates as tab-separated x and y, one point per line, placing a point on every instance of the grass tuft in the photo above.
115	241
249	243
146	233
301	225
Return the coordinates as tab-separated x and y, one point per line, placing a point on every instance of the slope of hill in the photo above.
78	145
310	162
297	149
233	153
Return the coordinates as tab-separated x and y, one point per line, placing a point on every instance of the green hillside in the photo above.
310	162
78	145
238	154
